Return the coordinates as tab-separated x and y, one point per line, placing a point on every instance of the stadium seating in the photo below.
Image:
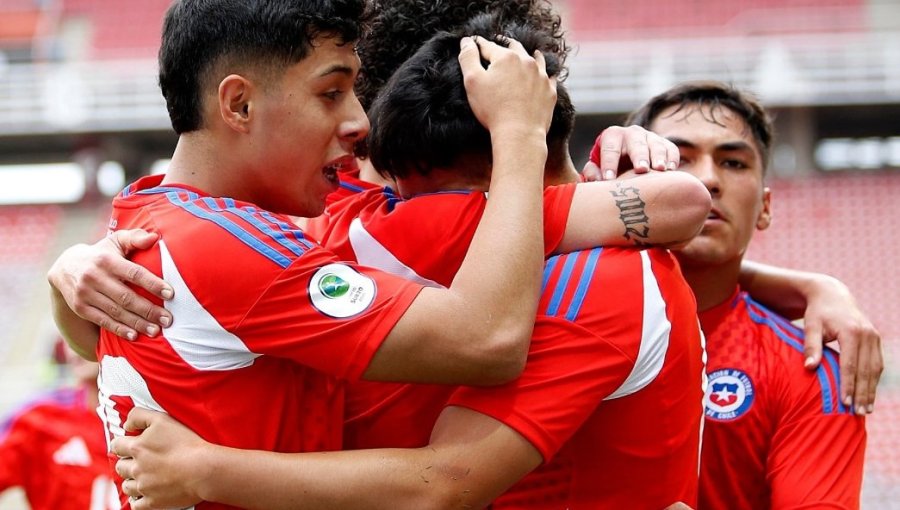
599	17
27	232
119	32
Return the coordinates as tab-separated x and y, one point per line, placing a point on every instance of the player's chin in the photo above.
702	250
312	208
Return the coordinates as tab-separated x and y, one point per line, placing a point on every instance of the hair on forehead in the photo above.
711	99
203	40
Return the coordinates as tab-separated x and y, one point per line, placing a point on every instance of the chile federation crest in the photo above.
729	394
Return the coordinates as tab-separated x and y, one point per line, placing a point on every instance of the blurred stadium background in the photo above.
81	115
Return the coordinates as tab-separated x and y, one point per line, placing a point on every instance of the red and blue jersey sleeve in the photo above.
584	347
777	434
251	283
817	449
391	235
329	315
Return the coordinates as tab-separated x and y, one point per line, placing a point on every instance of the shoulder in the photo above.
223	225
782	343
42	407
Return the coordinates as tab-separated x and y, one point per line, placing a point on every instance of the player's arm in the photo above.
653	209
90	277
829	313
88	288
477	331
470	460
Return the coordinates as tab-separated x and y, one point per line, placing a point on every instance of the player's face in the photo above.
718	148
309	123
82	370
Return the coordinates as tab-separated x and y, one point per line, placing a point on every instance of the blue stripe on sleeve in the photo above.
291	230
583	283
352	187
232	228
168	189
757	317
549	266
562	283
831	359
252	219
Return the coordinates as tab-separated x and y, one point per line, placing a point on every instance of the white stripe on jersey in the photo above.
196	335
655	330
370	252
119	379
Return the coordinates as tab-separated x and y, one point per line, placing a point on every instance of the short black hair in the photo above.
422	120
716	95
204	40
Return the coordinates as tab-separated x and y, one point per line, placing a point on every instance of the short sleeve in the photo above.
557	204
331	316
569	372
817	451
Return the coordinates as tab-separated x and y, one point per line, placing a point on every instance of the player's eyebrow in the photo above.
737	145
337	68
680	142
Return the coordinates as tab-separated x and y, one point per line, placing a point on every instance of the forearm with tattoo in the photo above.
632	212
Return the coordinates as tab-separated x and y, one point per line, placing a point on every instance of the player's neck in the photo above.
712	284
367	173
564	174
196	162
439	180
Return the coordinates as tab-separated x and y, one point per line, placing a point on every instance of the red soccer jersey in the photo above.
55	450
378	229
631	397
776	434
350	186
266	322
615	323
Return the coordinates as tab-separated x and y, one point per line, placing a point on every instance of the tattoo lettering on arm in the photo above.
632	213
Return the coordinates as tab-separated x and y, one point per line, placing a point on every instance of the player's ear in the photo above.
765	214
234	105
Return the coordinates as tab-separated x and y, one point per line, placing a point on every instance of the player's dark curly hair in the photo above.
716	95
422	120
205	40
399	27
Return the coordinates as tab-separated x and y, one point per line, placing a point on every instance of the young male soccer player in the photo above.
268	319
53	448
89	276
776	435
623	324
829	311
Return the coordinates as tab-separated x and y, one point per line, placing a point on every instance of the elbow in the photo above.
434	500
450	483
692	201
503	358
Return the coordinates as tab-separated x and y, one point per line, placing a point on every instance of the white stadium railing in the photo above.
790	70
604	77
93	96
